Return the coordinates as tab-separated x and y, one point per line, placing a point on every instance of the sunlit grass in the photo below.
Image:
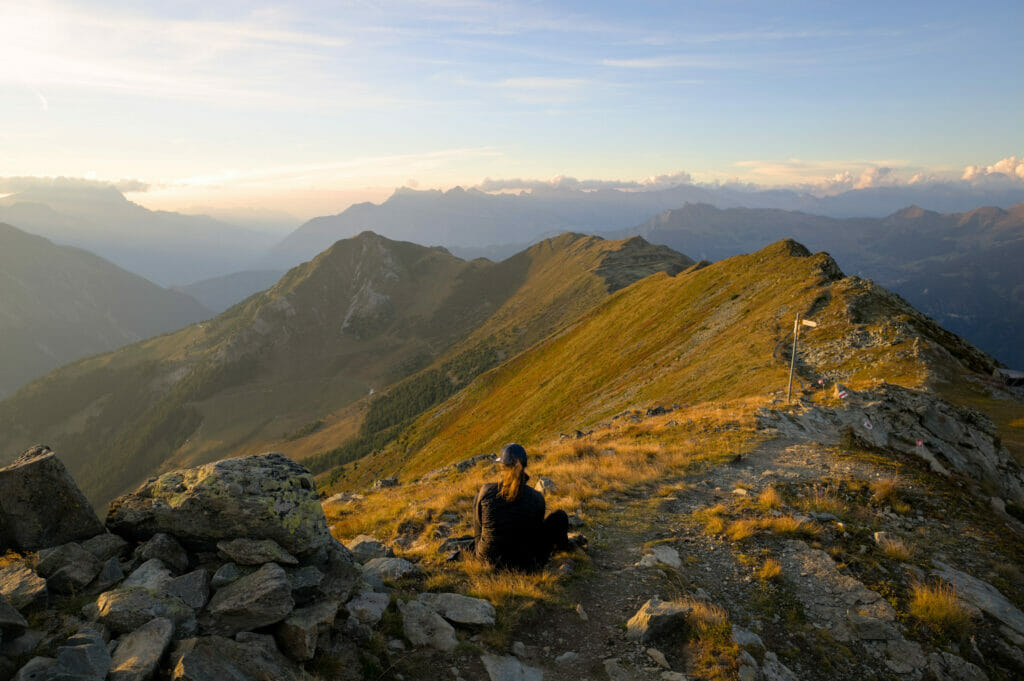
895	548
771	570
937	606
770	499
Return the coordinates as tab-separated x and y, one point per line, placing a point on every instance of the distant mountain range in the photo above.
164	247
59	303
471	222
963	269
366	313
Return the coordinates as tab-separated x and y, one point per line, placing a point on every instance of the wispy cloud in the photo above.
652	182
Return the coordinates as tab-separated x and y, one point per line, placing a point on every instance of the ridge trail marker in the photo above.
792	360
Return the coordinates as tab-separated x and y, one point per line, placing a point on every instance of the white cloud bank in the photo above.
1009	167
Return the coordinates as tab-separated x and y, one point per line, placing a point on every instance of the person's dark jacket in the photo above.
509	533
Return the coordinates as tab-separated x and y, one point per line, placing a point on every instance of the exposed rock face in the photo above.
298	635
460	609
40	504
424	627
12	624
983	596
166	549
953	439
255	552
254	601
84	657
508	668
267	496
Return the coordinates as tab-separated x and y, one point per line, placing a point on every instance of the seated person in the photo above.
510	530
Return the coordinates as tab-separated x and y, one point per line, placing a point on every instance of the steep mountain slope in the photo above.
962	268
711	333
58	304
365	313
165	247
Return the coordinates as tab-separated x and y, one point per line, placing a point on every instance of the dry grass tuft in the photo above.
10	558
886	490
712	518
937	606
894	548
770	499
713	654
743	529
786	525
770	571
503	588
825	499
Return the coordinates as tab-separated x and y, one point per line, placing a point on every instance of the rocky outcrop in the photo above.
267	496
949	438
40	504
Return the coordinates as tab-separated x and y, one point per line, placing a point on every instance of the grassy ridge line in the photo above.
706	335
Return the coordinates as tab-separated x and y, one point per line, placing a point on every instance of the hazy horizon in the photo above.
306	108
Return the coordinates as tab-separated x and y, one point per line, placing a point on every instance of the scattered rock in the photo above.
518	649
380	569
192	588
545	485
165	548
365	548
297	636
368	607
152	575
212	658
22	586
139	652
267	496
666	555
659	658
225	574
460	609
254	601
40	504
37	669
385	482
68	568
125	610
12	624
255	552
655	618
773	670
84	657
948	667
567	658
105	546
616	672
424	627
110	575
305	582
509	668
747	639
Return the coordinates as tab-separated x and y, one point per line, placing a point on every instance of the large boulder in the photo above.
40	504
12	624
657	618
68	568
139	653
125	610
299	635
214	658
267	496
252	602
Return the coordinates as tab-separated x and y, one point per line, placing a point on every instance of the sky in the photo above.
306	107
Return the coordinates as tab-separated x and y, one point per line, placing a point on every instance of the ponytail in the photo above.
512	483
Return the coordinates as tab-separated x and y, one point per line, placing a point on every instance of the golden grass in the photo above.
711	651
785	525
770	571
825	499
712	518
937	606
886	490
770	499
10	558
895	548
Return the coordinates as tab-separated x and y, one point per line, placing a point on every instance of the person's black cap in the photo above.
511	453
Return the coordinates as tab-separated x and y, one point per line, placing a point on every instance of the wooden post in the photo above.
792	359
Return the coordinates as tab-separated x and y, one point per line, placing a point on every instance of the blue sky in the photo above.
308	106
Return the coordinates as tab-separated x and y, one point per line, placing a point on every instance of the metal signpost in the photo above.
792	359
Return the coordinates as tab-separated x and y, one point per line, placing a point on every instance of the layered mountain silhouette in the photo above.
60	303
362	315
164	247
471	222
963	269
